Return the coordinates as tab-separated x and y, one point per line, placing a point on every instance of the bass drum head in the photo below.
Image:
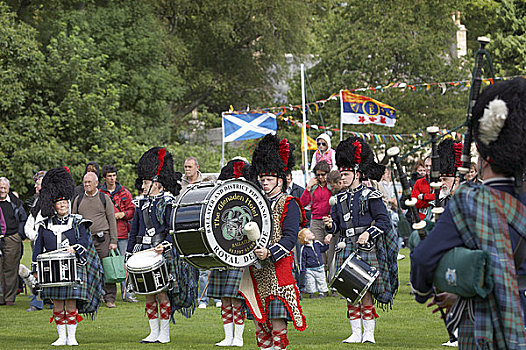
230	206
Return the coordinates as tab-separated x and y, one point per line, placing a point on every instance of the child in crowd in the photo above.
311	262
324	152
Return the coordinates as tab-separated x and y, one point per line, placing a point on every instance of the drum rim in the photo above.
367	286
159	262
56	255
58	284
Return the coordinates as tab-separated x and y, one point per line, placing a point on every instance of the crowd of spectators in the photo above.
109	206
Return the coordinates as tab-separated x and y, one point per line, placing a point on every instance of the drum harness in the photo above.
62	240
348	232
151	237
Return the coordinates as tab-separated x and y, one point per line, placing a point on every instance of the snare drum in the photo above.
56	269
354	278
208	219
148	272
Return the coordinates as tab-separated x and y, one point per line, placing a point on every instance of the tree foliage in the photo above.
105	80
362	44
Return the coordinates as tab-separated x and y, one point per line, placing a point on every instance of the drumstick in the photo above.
164	245
251	229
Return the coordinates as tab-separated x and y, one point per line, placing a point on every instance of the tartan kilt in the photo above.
378	285
224	283
88	293
276	309
466	334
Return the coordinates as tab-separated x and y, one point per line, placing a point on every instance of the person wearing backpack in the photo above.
96	206
124	209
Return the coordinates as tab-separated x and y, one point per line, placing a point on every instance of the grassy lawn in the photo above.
407	326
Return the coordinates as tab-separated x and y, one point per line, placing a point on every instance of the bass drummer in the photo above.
224	283
150	229
360	220
271	292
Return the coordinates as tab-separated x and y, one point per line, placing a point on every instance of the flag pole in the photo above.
341	119
222	162
304	126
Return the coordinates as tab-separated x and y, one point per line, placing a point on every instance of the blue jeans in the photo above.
39	304
203	282
122	244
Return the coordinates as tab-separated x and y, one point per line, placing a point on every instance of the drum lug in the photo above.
200	230
209	255
192	204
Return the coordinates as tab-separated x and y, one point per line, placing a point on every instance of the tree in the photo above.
230	49
362	44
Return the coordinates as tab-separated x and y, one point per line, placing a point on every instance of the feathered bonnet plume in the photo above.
354	154
236	168
272	156
499	126
157	164
57	185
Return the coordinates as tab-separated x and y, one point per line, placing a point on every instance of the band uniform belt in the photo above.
355	231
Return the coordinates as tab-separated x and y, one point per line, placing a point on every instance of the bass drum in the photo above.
208	221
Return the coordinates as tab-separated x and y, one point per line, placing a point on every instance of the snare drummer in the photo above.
276	292
360	219
61	230
159	184
224	284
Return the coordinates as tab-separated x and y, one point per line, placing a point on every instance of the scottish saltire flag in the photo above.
356	109
247	126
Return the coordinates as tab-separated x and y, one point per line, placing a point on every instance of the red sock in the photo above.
59	317
165	310
263	338
353	311
368	312
227	313
280	339
151	310
239	315
73	317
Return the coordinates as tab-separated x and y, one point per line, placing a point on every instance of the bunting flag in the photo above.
357	109
311	144
247	126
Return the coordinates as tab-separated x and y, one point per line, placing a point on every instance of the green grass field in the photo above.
407	326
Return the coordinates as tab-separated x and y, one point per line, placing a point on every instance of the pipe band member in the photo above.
58	229
270	291
359	218
490	216
150	229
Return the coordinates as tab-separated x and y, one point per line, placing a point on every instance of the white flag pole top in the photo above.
247	126
304	126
